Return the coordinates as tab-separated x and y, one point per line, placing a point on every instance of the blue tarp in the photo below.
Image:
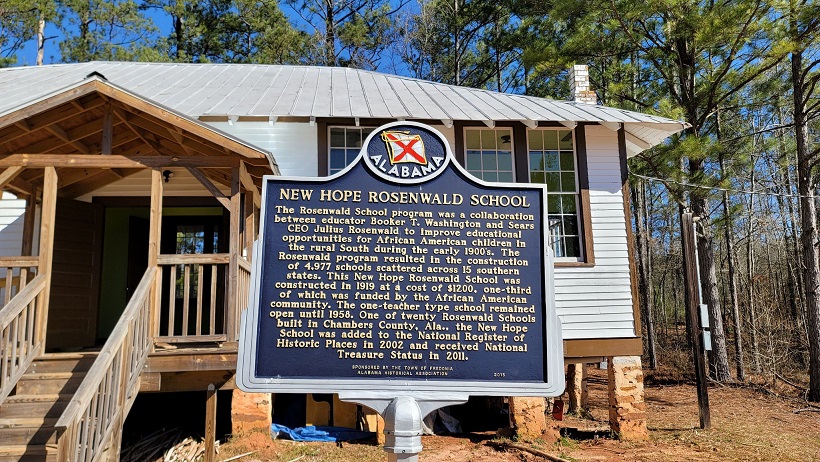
313	433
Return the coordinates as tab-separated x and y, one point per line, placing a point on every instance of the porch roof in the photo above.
102	132
271	92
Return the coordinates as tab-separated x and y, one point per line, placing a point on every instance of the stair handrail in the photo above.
21	337
99	406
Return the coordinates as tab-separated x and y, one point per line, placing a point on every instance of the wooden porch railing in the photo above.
195	305
243	287
15	273
22	337
97	410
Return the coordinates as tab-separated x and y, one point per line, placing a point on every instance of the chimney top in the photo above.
579	85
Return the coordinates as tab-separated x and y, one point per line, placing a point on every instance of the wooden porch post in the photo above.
250	224
46	253
154	233
234	250
210	424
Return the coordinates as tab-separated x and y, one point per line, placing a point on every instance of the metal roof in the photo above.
242	90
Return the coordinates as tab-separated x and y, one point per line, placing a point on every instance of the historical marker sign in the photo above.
401	274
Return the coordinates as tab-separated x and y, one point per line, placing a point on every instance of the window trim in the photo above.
326	127
521	166
581	236
323	125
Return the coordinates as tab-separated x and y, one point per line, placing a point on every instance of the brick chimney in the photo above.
579	85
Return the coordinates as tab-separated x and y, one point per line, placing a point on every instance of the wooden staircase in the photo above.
27	417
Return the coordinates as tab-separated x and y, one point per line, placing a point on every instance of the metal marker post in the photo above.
403	417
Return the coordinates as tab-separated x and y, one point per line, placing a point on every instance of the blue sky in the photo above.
28	55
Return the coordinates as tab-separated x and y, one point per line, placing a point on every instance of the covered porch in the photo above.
136	243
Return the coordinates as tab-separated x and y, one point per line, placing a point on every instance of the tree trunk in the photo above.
718	357
330	34
41	39
730	263
808	224
644	284
730	251
750	266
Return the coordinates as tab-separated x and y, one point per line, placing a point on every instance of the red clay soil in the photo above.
746	425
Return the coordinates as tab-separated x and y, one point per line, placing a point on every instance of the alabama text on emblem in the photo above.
406	152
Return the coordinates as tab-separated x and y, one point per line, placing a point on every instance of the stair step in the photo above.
50	383
28	435
25	422
63	362
32	409
27	453
43	398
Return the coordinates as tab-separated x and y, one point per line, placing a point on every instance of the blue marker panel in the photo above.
401	267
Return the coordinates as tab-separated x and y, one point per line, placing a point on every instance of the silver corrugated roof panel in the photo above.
279	91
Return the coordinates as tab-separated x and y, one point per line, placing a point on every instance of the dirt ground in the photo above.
747	424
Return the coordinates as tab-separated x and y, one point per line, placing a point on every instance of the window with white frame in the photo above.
344	144
552	162
489	153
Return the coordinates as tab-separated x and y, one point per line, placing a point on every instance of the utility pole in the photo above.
694	327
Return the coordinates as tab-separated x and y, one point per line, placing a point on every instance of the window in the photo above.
552	162
489	153
345	144
193	239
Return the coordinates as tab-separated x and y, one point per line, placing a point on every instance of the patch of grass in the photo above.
567	442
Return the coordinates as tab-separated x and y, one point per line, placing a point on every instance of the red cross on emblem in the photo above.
405	148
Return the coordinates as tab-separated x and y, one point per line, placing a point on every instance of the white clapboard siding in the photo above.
12	210
293	145
596	302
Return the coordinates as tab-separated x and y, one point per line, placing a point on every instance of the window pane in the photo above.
568	204
536	140
351	154
555	224
553	181
570	225
473	160
550	139
537	177
505	160
573	247
353	138
567	161
536	160
553	203
568	182
488	139
488	161
473	139
565	137
505	176
337	137
551	160
504	139
490	176
337	158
